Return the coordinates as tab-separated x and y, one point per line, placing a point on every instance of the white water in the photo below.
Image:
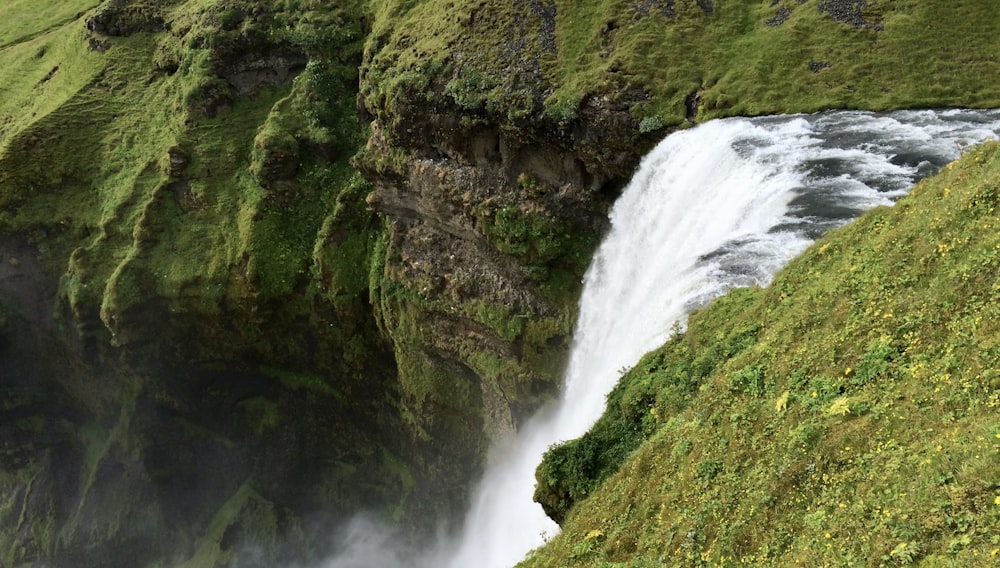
720	205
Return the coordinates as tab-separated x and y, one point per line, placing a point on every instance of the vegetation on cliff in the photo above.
190	359
846	414
667	60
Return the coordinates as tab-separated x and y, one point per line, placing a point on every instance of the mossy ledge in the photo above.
215	324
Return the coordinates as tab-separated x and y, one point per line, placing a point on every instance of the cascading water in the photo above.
724	204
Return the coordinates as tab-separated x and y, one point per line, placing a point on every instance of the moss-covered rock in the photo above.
186	318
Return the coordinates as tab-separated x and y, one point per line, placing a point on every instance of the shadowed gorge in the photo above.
266	265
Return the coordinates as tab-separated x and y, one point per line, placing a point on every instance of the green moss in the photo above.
299	381
428	381
403	478
539	242
734	56
245	517
346	248
501	319
262	413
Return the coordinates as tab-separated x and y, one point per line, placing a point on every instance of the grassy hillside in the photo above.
21	20
847	414
741	57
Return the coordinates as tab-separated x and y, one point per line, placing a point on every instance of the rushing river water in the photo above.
724	204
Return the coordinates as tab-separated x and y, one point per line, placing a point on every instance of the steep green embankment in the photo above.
190	362
848	413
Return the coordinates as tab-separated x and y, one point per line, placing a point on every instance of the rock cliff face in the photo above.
494	206
491	225
265	264
190	362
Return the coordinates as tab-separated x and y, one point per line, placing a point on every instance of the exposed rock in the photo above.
545	10
665	7
486	210
817	66
249	72
185	198
100	45
177	160
276	159
783	13
779	18
122	18
691	106
668	7
211	97
848	12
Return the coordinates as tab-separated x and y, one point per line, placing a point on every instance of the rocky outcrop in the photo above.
123	18
853	12
250	72
779	17
493	222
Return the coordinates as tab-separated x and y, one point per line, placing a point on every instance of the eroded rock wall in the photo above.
190	368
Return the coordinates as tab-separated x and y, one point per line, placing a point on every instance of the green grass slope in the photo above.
848	414
742	57
24	19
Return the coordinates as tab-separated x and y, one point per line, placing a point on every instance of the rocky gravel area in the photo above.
779	18
848	12
546	11
666	7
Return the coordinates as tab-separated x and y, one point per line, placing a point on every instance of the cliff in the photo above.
190	360
264	264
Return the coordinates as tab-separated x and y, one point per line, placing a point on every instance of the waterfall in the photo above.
723	204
